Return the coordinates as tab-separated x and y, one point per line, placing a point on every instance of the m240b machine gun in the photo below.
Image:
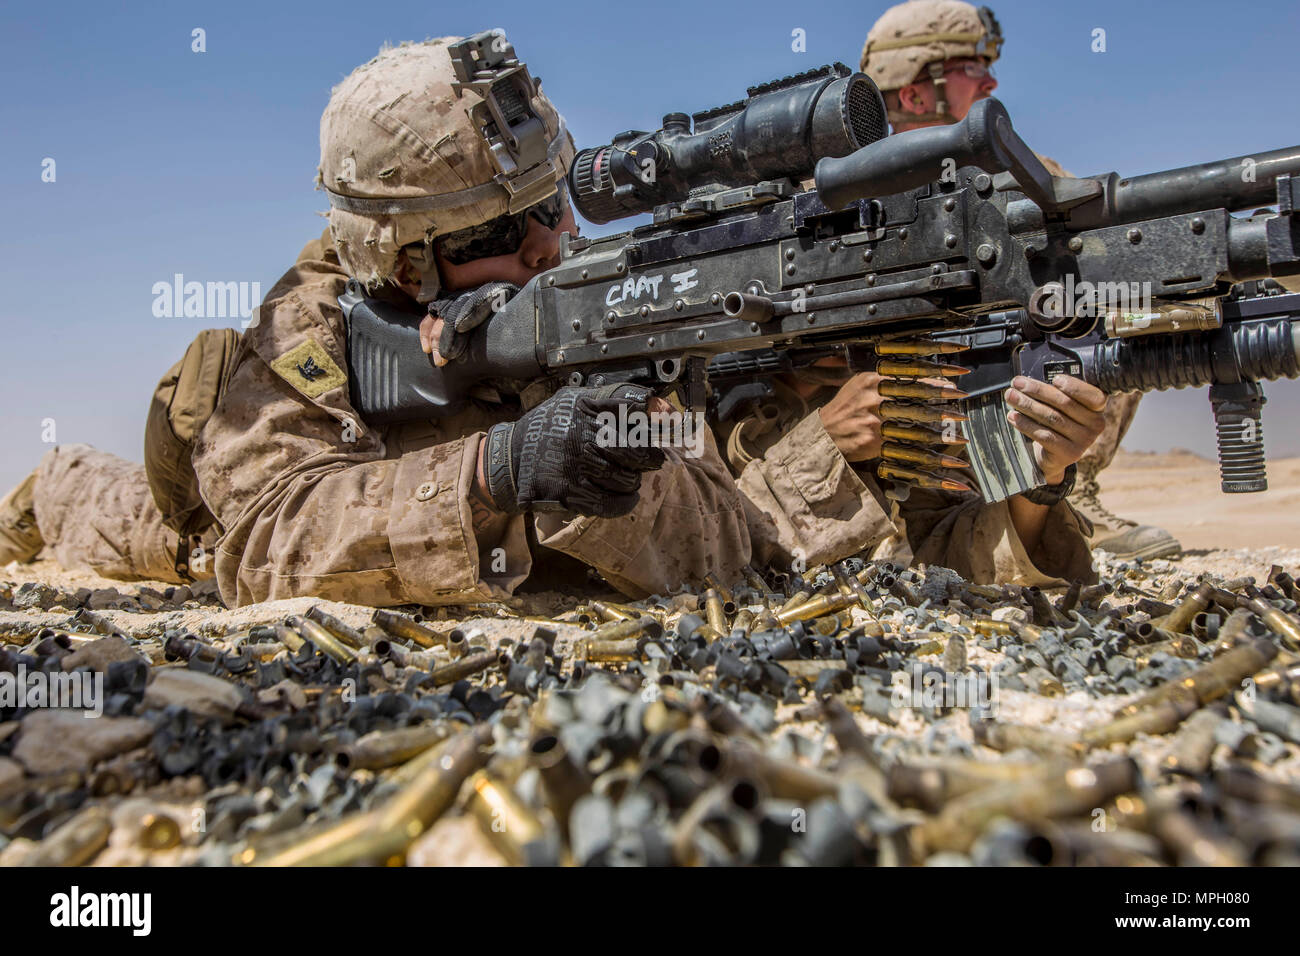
950	240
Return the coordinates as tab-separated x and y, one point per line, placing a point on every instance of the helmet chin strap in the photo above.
941	113
425	263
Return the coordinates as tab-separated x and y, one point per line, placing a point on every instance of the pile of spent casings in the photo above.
854	714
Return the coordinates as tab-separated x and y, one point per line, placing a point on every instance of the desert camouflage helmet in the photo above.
920	34
433	137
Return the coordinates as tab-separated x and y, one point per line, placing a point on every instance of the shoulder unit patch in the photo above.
309	369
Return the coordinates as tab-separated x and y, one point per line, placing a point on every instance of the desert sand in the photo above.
1179	490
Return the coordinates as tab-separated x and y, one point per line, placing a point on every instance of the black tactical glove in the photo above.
550	460
463	312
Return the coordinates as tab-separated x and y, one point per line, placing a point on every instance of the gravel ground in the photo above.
43	595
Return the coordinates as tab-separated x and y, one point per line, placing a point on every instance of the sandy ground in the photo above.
1179	491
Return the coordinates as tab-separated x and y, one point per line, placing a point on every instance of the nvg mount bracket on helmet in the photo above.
486	64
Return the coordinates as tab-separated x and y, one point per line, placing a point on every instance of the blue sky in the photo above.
170	161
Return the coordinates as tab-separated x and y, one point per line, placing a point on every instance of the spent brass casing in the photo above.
65	638
1191	750
919	347
465	667
344	632
1238	781
796	599
1026	631
1192	844
931	786
754	579
610	651
1160	718
1179	620
743	621
158	831
1146	632
1093	594
712	602
916	433
850	584
921	391
388	748
261	652
99	623
783	779
74	843
921	456
609	612
399	625
1184	647
563	778
1005	737
457	643
1221	676
858	761
816	607
321	639
919	368
1044	682
508	823
622	630
1070	599
1044	614
1074	791
1280	675
1278	621
1287	584
429	785
1233	630
986	625
904	592
711	580
925	648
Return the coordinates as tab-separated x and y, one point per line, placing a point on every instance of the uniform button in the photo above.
426	491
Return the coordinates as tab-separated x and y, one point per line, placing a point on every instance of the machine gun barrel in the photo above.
1241	182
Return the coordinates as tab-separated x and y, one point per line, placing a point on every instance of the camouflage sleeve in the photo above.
804	500
979	541
308	500
689	521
